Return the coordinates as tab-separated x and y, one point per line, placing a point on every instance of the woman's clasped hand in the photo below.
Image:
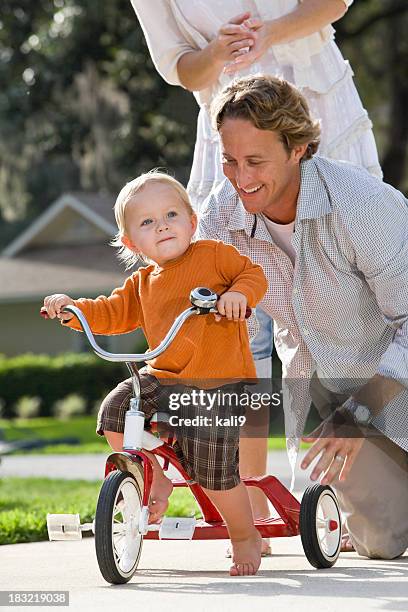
262	40
235	39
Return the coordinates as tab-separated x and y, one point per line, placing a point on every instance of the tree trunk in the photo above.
395	158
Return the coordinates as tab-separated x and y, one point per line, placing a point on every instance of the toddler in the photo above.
156	223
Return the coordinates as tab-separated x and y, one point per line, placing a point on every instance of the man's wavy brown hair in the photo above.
269	103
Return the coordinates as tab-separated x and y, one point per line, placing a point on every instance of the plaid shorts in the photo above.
208	452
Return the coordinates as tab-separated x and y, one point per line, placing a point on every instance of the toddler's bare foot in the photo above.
346	544
246	555
266	550
159	498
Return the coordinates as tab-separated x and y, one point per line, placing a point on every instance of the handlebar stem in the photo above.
132	358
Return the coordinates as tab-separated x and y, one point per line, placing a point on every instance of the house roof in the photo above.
83	271
95	208
65	250
100	203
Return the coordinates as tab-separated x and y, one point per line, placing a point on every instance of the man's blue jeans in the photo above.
262	344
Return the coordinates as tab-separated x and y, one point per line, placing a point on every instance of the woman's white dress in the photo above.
314	64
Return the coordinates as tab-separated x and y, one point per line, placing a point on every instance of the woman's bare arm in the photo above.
309	17
200	69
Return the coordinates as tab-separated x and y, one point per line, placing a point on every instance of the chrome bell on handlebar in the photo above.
204	299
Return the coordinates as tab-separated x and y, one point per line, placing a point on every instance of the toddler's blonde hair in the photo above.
125	197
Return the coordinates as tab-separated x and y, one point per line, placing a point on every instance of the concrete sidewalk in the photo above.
91	467
193	576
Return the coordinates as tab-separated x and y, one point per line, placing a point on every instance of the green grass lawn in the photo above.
48	428
82	428
25	502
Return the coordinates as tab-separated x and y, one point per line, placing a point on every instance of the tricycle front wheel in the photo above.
118	542
320	526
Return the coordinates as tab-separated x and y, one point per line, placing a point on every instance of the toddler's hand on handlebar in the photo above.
53	304
231	305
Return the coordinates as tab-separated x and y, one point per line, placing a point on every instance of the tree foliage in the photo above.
373	36
82	107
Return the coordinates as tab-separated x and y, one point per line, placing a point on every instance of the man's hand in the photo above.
336	442
232	305
53	304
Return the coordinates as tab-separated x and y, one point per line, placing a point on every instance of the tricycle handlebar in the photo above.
131	357
204	301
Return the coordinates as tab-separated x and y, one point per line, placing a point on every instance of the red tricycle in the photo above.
122	515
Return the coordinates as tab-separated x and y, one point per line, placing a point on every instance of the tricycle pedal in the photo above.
177	528
66	527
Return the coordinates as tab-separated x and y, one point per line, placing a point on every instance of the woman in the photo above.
202	45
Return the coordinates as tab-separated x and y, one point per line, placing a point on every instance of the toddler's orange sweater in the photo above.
203	351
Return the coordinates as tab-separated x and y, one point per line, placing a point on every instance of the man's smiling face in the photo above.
265	175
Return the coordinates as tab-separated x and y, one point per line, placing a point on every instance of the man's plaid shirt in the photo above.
343	309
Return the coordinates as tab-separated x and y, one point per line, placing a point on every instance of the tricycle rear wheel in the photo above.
118	542
320	526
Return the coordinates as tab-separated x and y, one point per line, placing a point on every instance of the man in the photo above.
333	242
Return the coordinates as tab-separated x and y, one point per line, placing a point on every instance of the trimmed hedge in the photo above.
53	378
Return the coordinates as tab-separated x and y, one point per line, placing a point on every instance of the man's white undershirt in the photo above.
282	236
